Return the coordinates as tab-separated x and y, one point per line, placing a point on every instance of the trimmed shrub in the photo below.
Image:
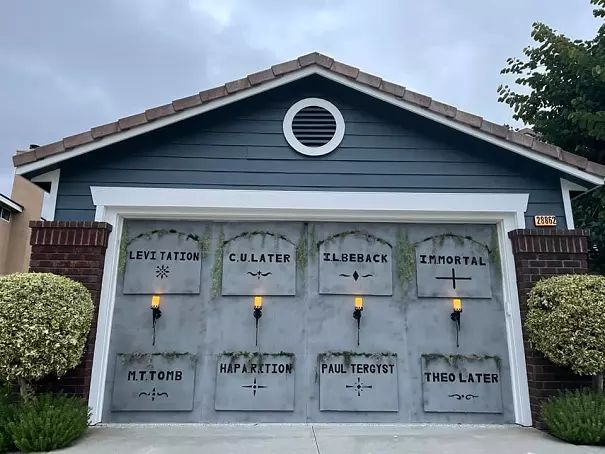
566	321
49	422
44	323
577	417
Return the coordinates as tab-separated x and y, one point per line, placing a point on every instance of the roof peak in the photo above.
373	84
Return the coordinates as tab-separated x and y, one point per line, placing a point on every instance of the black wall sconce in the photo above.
155	314
258	313
455	316
357	313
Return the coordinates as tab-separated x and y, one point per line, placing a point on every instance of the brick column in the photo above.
540	253
77	250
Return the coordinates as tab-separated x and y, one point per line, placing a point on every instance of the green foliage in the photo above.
44	323
561	83
566	321
217	269
7	412
404	259
577	417
49	422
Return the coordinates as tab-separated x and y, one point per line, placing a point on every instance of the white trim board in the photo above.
49	202
566	187
114	204
299	74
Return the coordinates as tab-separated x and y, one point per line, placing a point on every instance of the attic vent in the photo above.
314	127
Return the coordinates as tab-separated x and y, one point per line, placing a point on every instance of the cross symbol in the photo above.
453	278
254	387
359	386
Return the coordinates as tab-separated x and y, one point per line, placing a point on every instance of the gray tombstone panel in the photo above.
153	382
453	267
355	264
259	264
166	263
461	384
247	383
368	382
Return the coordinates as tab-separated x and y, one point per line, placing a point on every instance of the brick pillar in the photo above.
540	253
77	250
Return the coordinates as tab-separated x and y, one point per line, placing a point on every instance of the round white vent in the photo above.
314	126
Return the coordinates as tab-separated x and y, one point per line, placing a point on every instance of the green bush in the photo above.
566	321
44	323
48	422
577	417
7	411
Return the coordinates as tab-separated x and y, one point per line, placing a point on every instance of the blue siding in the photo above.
242	146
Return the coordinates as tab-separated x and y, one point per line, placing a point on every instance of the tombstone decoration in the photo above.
452	266
259	263
163	261
461	384
255	382
355	263
358	382
153	382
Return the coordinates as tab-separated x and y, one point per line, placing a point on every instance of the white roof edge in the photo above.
11	203
297	75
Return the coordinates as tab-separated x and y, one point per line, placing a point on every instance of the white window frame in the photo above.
304	149
506	211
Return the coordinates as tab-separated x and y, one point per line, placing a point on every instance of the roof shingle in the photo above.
277	71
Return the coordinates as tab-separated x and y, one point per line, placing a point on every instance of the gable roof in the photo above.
283	73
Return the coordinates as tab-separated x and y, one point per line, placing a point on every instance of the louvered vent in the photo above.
313	126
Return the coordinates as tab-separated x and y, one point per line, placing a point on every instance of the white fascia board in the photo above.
11	204
300	74
305	204
50	200
566	187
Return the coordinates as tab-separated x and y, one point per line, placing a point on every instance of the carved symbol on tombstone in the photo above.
359	386
254	387
355	275
259	274
162	271
453	278
153	394
463	396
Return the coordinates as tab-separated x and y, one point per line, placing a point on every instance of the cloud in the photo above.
68	65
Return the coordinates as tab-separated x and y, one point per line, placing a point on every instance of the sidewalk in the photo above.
322	439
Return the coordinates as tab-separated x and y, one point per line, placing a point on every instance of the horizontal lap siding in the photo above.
243	147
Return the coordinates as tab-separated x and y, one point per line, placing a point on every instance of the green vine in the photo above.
258	357
494	251
313	243
217	269
342	235
130	358
348	356
301	251
123	249
404	259
453	360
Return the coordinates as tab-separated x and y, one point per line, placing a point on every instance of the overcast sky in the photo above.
68	65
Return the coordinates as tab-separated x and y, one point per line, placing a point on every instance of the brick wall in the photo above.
540	253
75	250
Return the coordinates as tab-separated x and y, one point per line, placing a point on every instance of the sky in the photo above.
68	65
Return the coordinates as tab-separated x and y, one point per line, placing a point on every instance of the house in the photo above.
321	244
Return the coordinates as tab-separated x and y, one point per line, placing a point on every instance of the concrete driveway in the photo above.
322	439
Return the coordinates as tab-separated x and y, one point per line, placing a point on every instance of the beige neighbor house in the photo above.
24	204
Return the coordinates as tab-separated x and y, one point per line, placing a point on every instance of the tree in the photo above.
566	322
44	323
561	94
